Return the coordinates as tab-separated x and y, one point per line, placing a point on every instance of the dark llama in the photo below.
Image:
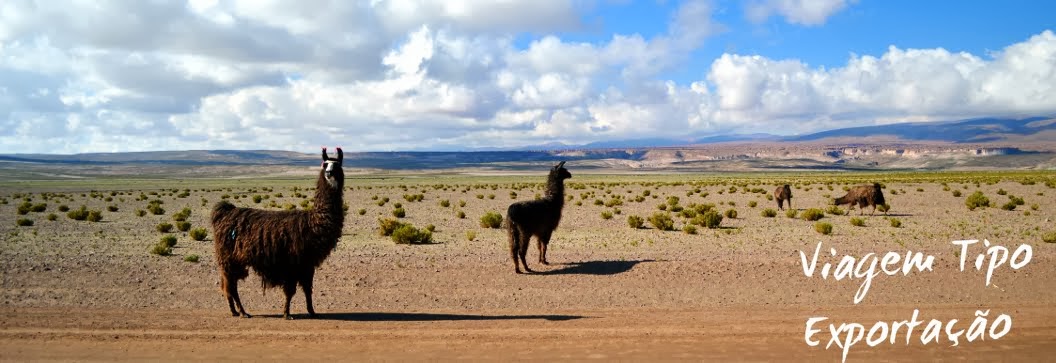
536	218
863	195
783	193
283	247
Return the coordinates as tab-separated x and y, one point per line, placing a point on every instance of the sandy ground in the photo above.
90	291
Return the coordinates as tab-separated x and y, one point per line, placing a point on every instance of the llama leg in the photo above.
223	288
523	249
232	293
306	287
780	204
515	240
544	240
289	288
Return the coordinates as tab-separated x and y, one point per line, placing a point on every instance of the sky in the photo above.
84	76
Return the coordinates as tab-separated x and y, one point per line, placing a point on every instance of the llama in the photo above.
536	218
283	247
863	195
783	193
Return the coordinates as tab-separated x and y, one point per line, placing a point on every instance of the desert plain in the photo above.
94	291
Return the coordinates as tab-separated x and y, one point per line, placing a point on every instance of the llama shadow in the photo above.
593	268
411	317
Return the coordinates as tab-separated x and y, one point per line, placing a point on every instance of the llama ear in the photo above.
560	165
340	155
325	158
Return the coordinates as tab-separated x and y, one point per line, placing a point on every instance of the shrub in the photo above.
812	214
491	220
445	203
161	250
1011	205
64	208
635	222
1049	237
24	222
471	235
94	216
895	222
52	217
78	215
977	200
731	213
835	210
399	212
199	234
710	219
769	213
430	228
752	204
461	203
883	208
111	208
257	198
37	208
183	226
689	229
857	222
460	215
606	214
191	258
24	208
957	193
662	221
1034	206
1001	192
407	234
168	240
140	213
791	213
823	227
387	226
164	227
156	209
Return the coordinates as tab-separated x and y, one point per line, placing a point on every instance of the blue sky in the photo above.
455	74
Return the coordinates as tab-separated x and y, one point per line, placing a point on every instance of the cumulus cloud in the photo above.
397	75
803	12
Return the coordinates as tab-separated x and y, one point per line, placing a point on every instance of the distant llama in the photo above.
783	193
283	247
863	195
536	218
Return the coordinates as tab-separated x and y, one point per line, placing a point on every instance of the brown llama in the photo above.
863	195
783	193
536	218
283	247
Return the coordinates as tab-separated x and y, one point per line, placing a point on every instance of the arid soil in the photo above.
78	290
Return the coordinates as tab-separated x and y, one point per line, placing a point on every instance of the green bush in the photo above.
895	222
1011	205
24	208
407	234
94	216
957	193
387	226
769	213
183	226
362	211
977	200
199	234
161	250
883	208
835	210
731	213
471	235
812	214
64	208
1001	192
52	217
164	227
111	208
257	198
689	229
491	220
635	222
78	215
857	222
752	204
791	213
460	215
24	222
662	221
606	214
710	219
37	208
445	203
1049	237
823	227
168	240
399	212
191	258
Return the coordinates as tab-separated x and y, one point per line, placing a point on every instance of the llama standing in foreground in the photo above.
783	193
283	247
863	195
536	218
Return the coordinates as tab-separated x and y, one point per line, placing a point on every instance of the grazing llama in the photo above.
783	193
283	247
536	218
863	195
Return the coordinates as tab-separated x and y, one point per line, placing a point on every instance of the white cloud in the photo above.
804	12
381	75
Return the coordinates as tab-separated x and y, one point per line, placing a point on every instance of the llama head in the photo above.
335	176
560	172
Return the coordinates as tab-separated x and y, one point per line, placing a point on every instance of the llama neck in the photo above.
555	191
328	206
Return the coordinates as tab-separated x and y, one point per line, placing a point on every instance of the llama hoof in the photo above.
528	270
518	271
287	317
312	315
545	263
247	316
